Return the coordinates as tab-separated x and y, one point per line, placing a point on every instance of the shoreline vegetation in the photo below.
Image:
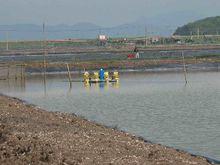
30	135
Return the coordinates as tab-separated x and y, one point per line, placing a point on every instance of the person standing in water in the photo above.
136	51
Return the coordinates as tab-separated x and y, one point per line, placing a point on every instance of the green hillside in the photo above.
207	26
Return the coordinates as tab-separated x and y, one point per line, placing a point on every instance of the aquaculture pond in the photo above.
157	106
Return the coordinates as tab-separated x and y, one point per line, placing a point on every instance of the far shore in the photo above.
107	49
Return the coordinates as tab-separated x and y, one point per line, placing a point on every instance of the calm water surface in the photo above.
158	107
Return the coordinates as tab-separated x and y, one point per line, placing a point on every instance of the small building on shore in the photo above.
102	39
155	39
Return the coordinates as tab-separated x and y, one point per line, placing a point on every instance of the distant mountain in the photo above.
35	32
174	19
20	32
210	25
164	25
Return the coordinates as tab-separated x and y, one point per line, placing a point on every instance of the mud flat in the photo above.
30	135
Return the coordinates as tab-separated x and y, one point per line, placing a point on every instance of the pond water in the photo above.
156	106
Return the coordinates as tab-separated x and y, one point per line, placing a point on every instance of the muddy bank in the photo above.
29	135
106	49
144	65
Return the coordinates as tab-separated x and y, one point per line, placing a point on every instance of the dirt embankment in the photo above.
109	49
36	67
29	135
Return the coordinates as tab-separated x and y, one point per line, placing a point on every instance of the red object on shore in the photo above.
130	56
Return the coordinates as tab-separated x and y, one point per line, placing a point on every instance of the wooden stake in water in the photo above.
21	71
24	68
8	74
184	68
16	76
45	52
69	74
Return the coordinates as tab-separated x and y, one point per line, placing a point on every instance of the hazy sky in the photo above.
101	12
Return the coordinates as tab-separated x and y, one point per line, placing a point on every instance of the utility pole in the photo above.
7	45
99	33
191	35
198	32
145	36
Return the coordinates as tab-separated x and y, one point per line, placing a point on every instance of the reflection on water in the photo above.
158	107
101	85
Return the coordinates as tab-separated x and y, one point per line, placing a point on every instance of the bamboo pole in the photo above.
16	76
8	74
45	45
184	68
45	53
69	74
24	71
21	71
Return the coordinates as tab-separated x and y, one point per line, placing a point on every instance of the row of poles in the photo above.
16	67
22	71
45	67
